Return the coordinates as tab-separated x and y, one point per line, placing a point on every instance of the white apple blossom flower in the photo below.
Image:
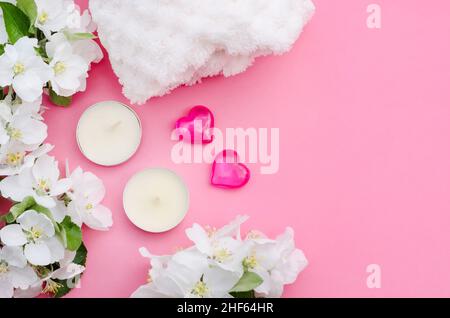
69	71
40	182
21	67
67	271
3	34
31	292
21	126
31	244
15	157
22	108
86	194
188	275
14	271
224	251
86	48
53	15
36	233
59	211
205	270
67	268
277	262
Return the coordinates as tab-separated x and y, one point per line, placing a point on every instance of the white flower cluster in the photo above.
22	133
41	247
56	55
42	236
221	264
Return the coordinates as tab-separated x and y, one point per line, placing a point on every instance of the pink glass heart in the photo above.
227	172
197	126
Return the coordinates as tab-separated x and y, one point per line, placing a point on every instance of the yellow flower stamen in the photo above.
221	255
3	268
14	158
18	68
43	187
43	17
59	68
14	133
200	289
250	262
51	287
36	233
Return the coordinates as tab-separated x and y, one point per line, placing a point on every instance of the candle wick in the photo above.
117	124
156	201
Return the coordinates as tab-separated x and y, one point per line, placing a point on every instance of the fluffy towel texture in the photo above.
157	45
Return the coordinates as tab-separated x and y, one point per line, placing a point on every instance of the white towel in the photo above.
157	45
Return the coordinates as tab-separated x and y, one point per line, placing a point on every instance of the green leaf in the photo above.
17	23
19	208
59	100
79	36
247	295
248	282
30	9
9	218
65	287
71	234
80	259
2	49
81	256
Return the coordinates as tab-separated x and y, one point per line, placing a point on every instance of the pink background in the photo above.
365	155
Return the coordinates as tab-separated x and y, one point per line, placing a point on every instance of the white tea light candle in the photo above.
109	133
156	200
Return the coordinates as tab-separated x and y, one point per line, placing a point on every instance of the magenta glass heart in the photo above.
197	126
227	172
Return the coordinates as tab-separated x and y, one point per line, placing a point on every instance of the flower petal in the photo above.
72	211
31	292
45	201
38	254
13	255
56	249
70	271
99	218
290	268
46	168
69	256
12	235
23	277
33	131
234	228
220	281
60	187
59	212
201	239
28	86
6	288
34	220
148	291
6	71
12	187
